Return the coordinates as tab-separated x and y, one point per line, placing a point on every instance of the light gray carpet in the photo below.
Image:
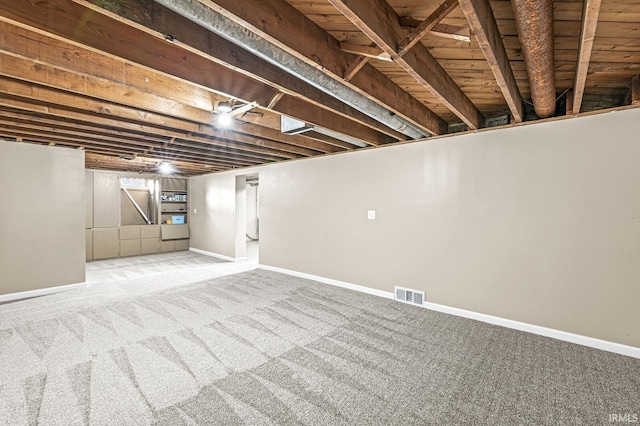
182	339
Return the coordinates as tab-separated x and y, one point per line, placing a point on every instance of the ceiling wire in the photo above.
559	96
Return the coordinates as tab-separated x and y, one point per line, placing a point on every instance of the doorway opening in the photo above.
248	217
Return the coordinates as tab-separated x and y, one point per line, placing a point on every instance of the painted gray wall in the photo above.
212	217
538	223
42	217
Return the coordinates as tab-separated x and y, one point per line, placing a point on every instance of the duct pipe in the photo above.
224	27
534	19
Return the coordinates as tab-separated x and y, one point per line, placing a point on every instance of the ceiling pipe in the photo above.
224	27
534	19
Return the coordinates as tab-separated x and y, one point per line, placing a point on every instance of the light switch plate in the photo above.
371	214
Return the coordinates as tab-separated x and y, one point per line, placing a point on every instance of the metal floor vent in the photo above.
407	295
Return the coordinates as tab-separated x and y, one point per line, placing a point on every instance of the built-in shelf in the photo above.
174	198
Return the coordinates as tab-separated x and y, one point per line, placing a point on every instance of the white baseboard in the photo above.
516	325
216	255
329	281
41	292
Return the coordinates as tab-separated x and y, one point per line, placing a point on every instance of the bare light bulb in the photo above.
165	168
224	120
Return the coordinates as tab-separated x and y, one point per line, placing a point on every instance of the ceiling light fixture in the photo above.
224	119
165	168
225	106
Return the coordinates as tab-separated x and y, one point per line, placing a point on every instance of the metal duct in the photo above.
534	19
219	24
291	126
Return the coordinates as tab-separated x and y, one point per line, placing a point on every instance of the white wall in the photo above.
537	223
252	211
42	217
241	217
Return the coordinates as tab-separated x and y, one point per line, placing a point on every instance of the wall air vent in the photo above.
291	126
407	295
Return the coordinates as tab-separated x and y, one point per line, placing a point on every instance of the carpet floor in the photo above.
183	339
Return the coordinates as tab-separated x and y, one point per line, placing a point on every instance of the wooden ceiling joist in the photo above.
483	24
82	27
145	48
454	32
635	90
280	23
368	51
256	138
426	26
94	131
141	164
355	66
274	100
328	139
590	12
93	147
24	68
380	22
124	147
152	17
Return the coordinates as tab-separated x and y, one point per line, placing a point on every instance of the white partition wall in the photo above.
42	218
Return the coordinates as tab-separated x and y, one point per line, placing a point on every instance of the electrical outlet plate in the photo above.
371	214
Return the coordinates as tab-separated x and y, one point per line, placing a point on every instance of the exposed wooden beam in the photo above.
355	66
280	23
94	130
171	58
93	145
20	67
590	12
454	32
244	143
243	109
42	98
484	26
93	140
426	26
635	90
380	22
149	83
568	102
143	164
101	33
328	139
274	100
150	17
368	51
17	67
56	52
248	137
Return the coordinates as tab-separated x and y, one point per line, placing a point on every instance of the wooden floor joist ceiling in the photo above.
137	82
